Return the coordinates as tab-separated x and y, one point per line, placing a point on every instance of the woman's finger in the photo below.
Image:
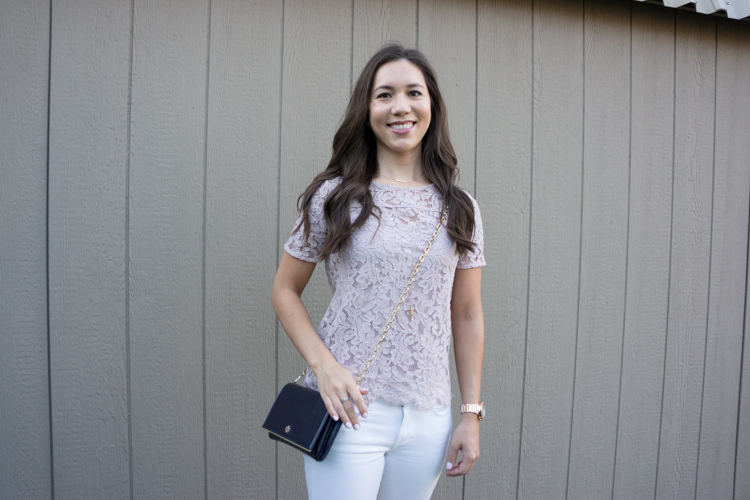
359	402
329	406
464	466
458	469
461	468
352	414
450	463
343	414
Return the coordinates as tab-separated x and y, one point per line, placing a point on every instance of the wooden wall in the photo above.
151	154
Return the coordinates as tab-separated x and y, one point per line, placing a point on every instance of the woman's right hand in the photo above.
336	383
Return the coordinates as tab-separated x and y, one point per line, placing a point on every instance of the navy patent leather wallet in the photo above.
299	418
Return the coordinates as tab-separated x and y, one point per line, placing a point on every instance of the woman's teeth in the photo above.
401	126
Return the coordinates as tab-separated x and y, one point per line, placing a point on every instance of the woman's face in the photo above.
399	107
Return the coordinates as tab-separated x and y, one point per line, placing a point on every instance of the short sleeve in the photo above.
474	258
309	249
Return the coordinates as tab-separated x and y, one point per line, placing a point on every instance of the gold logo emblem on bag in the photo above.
287	429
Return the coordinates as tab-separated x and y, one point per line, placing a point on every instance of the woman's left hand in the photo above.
466	439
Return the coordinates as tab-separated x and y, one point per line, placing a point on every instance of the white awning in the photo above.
734	9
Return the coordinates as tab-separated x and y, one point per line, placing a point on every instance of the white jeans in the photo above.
399	452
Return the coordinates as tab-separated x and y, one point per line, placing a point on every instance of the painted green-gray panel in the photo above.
166	247
718	437
503	183
315	92
24	393
555	247
241	213
691	245
648	251
87	247
603	248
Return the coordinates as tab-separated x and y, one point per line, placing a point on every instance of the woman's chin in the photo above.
401	148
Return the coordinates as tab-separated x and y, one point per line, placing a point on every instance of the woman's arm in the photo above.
468	345
334	381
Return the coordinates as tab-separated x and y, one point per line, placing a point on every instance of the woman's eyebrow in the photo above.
388	87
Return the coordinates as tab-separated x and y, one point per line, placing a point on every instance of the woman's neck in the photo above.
401	168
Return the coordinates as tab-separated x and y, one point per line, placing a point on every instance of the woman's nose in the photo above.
401	105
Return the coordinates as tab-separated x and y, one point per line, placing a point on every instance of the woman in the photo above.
369	215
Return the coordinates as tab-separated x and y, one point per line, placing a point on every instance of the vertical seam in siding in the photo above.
278	232
205	249
49	328
476	93
671	250
710	259
127	252
528	266
476	120
416	22
580	240
627	258
351	53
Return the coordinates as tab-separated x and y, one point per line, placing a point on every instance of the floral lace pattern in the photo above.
367	277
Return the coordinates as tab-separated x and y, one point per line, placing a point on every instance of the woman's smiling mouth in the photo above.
401	127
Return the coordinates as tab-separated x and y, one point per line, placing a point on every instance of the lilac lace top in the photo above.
367	277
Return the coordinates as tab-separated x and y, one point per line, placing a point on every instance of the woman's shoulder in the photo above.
467	193
330	184
321	194
473	200
325	189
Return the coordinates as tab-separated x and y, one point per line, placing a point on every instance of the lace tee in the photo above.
367	277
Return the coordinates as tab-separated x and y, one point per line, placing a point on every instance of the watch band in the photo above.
477	408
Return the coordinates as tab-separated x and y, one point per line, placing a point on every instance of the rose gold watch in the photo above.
477	408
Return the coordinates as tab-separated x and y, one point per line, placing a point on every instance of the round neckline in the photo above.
416	188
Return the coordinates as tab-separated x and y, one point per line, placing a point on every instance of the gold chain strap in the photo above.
403	296
400	300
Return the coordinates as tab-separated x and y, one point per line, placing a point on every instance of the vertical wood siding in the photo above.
647	275
604	228
88	241
695	52
166	232
555	234
244	94
25	458
151	155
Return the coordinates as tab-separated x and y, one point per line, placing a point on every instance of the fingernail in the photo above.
356	427
448	466
335	417
364	415
348	425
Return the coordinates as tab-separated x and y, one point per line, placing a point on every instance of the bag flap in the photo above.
297	416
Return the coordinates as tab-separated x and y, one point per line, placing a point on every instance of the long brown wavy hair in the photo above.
355	160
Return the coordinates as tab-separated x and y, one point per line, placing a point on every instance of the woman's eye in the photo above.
415	93
384	95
